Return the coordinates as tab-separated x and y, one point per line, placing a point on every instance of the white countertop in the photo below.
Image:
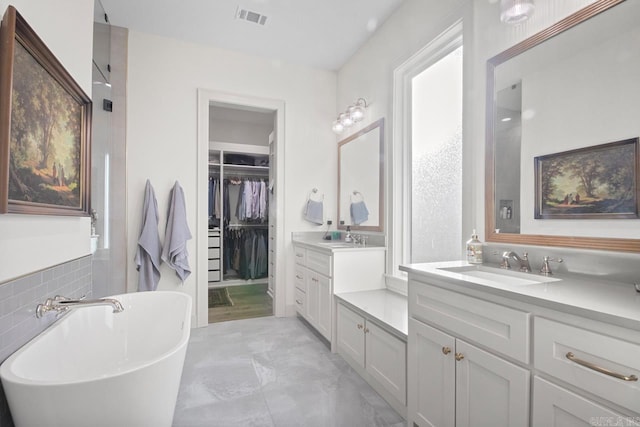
340	245
384	305
582	295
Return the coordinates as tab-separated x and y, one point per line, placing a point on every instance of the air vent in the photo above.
247	15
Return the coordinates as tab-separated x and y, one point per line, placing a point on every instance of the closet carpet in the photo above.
273	372
248	301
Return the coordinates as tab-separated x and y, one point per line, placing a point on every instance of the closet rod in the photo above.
248	225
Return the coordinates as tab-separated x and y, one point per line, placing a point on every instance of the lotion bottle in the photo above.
474	249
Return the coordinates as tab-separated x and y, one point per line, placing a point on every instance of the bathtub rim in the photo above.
8	376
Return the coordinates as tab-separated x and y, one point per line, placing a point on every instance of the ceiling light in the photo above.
353	114
506	119
516	11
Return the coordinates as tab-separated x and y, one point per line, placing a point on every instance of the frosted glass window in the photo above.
436	157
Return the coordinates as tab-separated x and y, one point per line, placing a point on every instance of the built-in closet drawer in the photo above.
213	253
300	302
214	276
319	262
495	326
600	364
300	255
214	241
301	284
213	264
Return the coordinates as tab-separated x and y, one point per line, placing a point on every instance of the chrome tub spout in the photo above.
61	304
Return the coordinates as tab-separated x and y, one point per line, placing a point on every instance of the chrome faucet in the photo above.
545	270
524	261
61	304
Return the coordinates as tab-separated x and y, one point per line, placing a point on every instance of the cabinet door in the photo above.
350	340
431	378
386	360
324	305
554	406
489	390
312	297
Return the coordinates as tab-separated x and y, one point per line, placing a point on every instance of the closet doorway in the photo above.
240	206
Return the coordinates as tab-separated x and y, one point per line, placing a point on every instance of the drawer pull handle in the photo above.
298	302
299	255
446	350
299	277
360	326
314	279
459	356
366	330
597	368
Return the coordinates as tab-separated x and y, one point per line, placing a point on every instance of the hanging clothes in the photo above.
246	253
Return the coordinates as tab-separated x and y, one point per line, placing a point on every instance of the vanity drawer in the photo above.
300	255
214	276
555	343
213	253
319	262
214	242
301	284
300	302
495	326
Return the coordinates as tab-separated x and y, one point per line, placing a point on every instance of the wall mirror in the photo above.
571	86
360	179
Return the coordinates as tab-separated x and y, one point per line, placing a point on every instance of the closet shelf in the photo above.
246	167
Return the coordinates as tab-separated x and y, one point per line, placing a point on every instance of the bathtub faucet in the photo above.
62	304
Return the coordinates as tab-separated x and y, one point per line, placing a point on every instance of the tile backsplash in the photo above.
18	301
19	298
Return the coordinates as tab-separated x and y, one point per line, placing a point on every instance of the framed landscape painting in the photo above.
589	183
45	121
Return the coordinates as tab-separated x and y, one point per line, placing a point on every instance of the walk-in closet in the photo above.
240	219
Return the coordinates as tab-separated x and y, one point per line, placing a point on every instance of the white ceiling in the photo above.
317	33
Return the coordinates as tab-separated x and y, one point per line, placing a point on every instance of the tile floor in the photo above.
272	372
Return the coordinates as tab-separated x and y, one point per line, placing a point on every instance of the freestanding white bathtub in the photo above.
98	368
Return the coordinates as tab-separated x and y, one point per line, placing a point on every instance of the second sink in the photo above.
492	274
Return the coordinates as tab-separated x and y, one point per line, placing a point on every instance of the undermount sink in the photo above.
476	273
338	244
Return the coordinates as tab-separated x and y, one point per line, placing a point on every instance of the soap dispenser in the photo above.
347	237
474	249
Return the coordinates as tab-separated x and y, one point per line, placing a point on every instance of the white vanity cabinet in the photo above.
376	354
600	364
453	382
563	353
320	272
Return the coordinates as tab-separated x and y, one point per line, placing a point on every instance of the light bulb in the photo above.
337	127
345	119
516	11
356	112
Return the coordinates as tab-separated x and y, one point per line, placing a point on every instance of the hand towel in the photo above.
176	234
359	212
313	212
148	253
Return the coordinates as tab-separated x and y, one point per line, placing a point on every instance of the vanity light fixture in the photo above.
353	114
516	11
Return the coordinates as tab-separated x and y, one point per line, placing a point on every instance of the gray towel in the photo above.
313	212
176	235
149	249
359	212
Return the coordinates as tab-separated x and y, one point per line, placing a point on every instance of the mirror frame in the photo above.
378	124
601	243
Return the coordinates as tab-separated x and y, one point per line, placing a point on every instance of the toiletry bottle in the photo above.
347	237
474	249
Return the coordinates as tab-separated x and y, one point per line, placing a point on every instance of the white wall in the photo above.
164	75
27	242
369	73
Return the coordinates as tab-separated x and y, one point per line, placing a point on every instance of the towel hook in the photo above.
315	191
357	193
